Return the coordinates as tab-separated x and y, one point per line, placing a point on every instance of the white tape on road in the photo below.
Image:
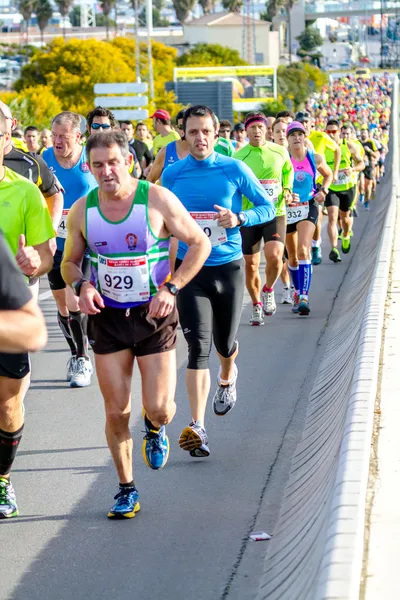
45	295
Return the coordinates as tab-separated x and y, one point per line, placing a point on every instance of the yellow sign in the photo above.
199	72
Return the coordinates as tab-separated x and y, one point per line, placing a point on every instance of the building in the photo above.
226	29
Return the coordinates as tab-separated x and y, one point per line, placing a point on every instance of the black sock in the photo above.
150	424
65	328
9	443
78	325
127	486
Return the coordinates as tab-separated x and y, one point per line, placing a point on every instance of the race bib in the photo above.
297	212
343	179
124	279
62	226
271	186
216	234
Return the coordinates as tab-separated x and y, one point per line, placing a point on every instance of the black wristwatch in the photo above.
172	288
241	218
76	286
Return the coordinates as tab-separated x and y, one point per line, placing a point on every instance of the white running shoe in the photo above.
83	373
286	296
225	395
257	315
71	364
269	304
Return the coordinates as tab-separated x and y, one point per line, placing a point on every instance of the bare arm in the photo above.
336	164
22	330
157	167
326	173
358	161
55	205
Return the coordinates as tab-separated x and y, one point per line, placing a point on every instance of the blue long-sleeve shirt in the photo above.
200	184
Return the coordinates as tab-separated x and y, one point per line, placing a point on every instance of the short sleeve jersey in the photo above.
23	210
161	141
14	293
321	141
33	168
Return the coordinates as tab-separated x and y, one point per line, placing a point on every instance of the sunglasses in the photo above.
332	130
100	126
225	130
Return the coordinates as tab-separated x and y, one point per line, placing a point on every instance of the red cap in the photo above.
161	114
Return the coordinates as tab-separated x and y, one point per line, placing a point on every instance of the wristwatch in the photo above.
172	288
241	218
325	191
76	286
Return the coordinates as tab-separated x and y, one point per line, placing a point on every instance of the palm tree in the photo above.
64	6
207	6
107	6
44	12
25	7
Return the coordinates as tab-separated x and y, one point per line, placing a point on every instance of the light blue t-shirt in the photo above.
221	180
76	182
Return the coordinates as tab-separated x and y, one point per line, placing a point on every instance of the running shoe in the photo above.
361	199
334	255
71	364
257	315
295	303
346	244
325	211
366	205
127	504
355	212
316	255
286	296
194	439
8	502
225	396
155	448
268	302
304	306
82	375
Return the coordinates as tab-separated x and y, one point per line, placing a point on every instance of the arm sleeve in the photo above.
263	210
49	183
14	293
287	172
38	226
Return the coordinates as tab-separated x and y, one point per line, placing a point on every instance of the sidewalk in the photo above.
382	575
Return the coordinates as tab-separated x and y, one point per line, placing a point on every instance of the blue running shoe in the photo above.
316	255
127	504
366	205
8	502
155	448
304	306
295	303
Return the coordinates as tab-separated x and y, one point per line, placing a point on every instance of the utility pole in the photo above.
137	45
381	65
149	19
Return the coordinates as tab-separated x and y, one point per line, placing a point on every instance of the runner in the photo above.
67	159
225	129
165	133
223	145
272	166
370	158
171	153
320	143
45	139
270	121
140	149
211	186
31	137
127	224
239	134
303	214
27	228
143	135
342	191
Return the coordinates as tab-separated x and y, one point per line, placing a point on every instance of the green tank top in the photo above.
344	182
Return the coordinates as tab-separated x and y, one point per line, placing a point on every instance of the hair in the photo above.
68	118
3	122
45	130
254	113
108	140
200	110
279	120
347	126
163	121
99	111
140	124
225	123
284	114
31	128
126	123
332	122
180	115
17	133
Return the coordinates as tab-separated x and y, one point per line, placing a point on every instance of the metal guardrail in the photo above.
365	5
317	547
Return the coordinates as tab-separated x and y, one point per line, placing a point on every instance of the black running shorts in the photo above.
313	216
54	276
273	231
14	366
343	200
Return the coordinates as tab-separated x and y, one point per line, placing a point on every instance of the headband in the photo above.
255	119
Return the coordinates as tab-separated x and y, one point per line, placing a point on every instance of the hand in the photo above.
87	299
295	199
161	304
335	175
147	170
28	259
319	197
226	218
348	171
287	196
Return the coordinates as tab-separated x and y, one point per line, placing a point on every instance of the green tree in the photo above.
204	55
26	8
158	20
75	18
182	9
274	106
107	6
207	5
44	12
232	5
33	106
310	39
64	6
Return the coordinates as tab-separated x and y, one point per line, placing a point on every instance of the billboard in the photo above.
251	85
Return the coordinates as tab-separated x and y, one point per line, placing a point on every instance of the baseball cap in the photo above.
364	128
295	126
239	127
160	113
303	115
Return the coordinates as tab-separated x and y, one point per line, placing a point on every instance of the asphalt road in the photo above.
190	539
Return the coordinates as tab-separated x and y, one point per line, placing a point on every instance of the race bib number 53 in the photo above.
215	232
124	279
271	186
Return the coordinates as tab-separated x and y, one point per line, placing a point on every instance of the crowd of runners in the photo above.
138	234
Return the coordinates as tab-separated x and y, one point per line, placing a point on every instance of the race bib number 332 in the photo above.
297	212
124	279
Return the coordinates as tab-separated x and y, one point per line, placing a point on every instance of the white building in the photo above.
226	29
